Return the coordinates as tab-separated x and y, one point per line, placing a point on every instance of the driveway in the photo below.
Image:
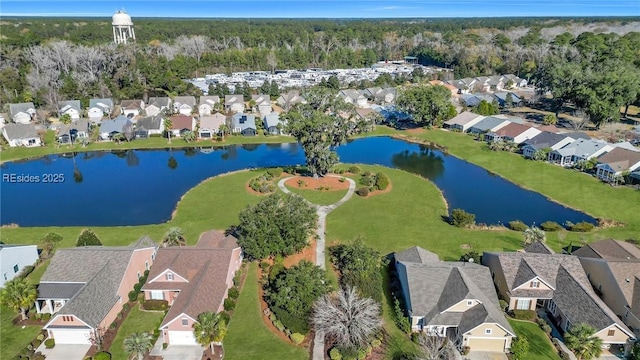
481	355
177	352
65	352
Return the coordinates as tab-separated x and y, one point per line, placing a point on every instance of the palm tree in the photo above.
138	344
173	237
533	234
211	328
347	318
224	129
19	295
168	127
66	120
581	340
189	136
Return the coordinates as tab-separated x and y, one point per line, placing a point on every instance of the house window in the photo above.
157	295
185	322
138	275
523	304
612	332
469	302
487	331
16	268
67	318
568	326
146	265
5	276
169	276
153	256
535	284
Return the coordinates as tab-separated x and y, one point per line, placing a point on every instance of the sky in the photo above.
321	8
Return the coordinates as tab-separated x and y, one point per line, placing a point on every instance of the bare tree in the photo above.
434	347
272	60
347	318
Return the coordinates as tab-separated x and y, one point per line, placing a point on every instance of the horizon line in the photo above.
59	15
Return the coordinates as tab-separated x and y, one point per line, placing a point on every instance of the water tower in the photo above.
122	27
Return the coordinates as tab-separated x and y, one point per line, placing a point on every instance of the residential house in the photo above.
99	108
471	100
558	284
496	82
13	259
22	113
464	86
515	80
182	123
150	125
119	125
71	107
579	150
354	97
489	124
382	96
234	103
287	100
452	299
616	162
545	140
210	125
502	99
512	132
184	105
208	105
482	84
244	124
78	129
263	104
158	106
85	287
193	280
21	135
463	121
613	268
131	108
273	125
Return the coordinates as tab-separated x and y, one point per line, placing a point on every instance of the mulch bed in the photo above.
308	253
274	181
327	183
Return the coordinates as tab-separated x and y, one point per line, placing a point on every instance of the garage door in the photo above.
486	344
182	338
67	336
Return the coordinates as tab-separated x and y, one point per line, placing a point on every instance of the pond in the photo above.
136	187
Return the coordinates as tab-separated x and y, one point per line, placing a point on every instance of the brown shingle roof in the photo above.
620	159
512	130
609	249
182	122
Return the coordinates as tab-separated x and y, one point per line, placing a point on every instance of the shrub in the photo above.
49	343
291	322
581	227
126	306
264	265
376	342
518	225
382	181
113	325
275	172
229	304
362	353
40	337
287	332
546	328
503	305
278	324
415	337
541	322
88	238
146	274
401	321
334	354
465	350
157	305
164	346
38	356
519	347
26	271
133	295
342	179
272	317
234	293
363	191
102	355
36	343
529	315
367	180
550	226
297	338
354	169
46	317
461	218
137	287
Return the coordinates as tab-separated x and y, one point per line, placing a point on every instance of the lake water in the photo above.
135	187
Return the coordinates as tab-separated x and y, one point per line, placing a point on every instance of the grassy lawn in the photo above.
318	197
248	338
540	347
568	187
13	338
136	321
410	214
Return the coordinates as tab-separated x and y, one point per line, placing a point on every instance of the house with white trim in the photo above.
13	258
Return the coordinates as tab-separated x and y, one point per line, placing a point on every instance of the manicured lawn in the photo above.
318	197
37	273
248	338
540	347
13	338
410	214
136	321
568	187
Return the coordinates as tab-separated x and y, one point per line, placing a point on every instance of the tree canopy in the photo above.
582	341
359	267
88	238
429	105
19	295
280	224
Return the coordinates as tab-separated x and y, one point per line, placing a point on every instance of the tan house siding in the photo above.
497	340
496	331
618	337
462	306
529	285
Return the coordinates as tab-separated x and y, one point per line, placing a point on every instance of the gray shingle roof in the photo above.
416	254
185	100
538	247
104	104
272	119
69	104
117	124
159	102
21	107
545	139
244	121
487	123
58	291
610	249
463	118
150	122
20	131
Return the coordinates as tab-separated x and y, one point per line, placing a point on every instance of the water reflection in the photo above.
426	162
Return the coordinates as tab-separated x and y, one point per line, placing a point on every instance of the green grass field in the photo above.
13	338
540	347
248	338
318	197
136	321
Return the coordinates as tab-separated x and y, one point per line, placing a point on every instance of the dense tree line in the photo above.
49	60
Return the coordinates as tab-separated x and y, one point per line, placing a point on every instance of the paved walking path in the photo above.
322	211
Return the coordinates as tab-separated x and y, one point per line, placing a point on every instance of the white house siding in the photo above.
15	256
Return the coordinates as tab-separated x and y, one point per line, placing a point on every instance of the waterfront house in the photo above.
210	125
463	121
545	140
131	108
489	124
244	124
99	108
14	258
21	135
182	123
150	125
184	105
70	107
22	113
513	132
616	162
579	150
119	125
272	124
